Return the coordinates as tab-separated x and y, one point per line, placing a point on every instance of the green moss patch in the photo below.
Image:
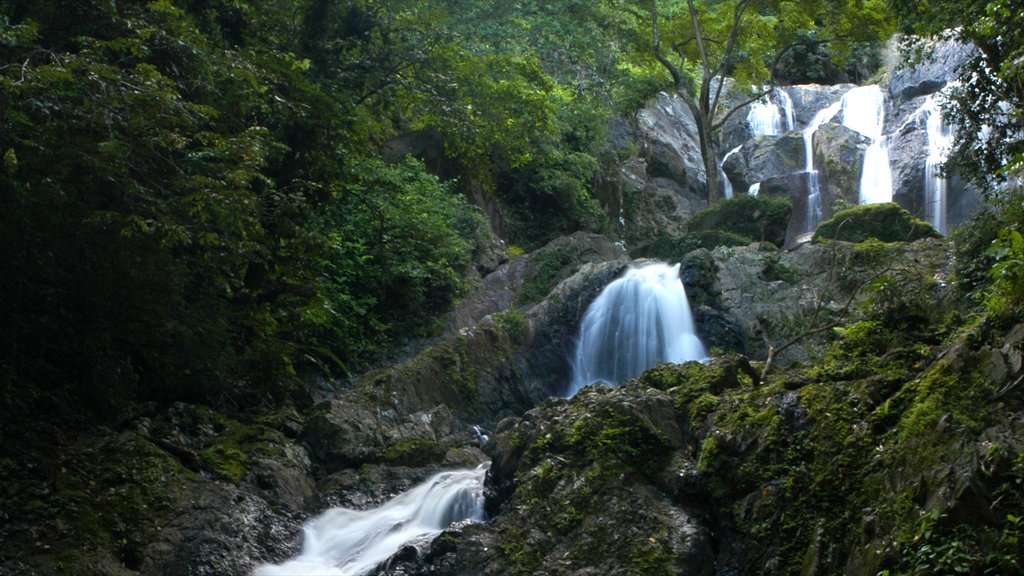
885	222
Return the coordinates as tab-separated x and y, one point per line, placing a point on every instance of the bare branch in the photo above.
677	76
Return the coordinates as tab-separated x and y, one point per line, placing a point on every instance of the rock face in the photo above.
772	296
940	65
661	182
705	469
763	158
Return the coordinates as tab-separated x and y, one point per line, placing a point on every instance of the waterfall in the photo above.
766	119
864	112
640	320
815	211
787	109
940	139
754	189
343	542
727	191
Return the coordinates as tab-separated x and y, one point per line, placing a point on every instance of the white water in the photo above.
343	542
754	189
815	212
639	321
765	116
727	190
940	139
864	112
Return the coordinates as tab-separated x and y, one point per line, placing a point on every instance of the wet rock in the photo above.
839	158
809	99
765	157
347	433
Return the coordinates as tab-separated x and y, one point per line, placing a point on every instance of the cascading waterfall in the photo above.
639	321
766	118
815	212
343	542
788	113
940	139
727	190
864	112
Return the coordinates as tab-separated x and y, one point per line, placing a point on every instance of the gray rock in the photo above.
765	157
839	159
940	65
671	146
908	152
809	99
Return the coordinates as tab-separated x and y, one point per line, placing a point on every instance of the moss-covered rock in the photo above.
758	218
886	222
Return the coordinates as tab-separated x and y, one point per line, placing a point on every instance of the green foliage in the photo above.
764	219
185	206
885	222
1006	294
985	102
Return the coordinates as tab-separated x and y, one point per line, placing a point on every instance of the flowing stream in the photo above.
639	321
344	542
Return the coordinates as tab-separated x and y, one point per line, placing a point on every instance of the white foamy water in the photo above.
864	112
940	140
639	321
815	210
344	542
772	114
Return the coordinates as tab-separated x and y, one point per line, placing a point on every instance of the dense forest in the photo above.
229	204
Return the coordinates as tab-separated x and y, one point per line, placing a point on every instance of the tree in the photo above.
747	39
985	107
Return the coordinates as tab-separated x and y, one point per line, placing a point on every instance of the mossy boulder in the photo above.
753	217
886	222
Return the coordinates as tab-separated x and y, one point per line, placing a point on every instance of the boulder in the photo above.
765	157
809	99
839	159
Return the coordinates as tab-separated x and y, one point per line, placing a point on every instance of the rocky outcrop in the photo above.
939	64
809	99
773	296
705	469
763	158
660	180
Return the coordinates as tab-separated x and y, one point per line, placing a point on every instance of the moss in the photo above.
885	222
514	324
759	218
226	460
414	452
547	266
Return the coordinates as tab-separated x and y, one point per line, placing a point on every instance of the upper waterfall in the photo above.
768	118
639	321
864	112
940	139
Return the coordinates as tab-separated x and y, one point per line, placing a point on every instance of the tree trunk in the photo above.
707	154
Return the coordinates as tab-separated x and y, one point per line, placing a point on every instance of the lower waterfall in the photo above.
344	542
639	321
